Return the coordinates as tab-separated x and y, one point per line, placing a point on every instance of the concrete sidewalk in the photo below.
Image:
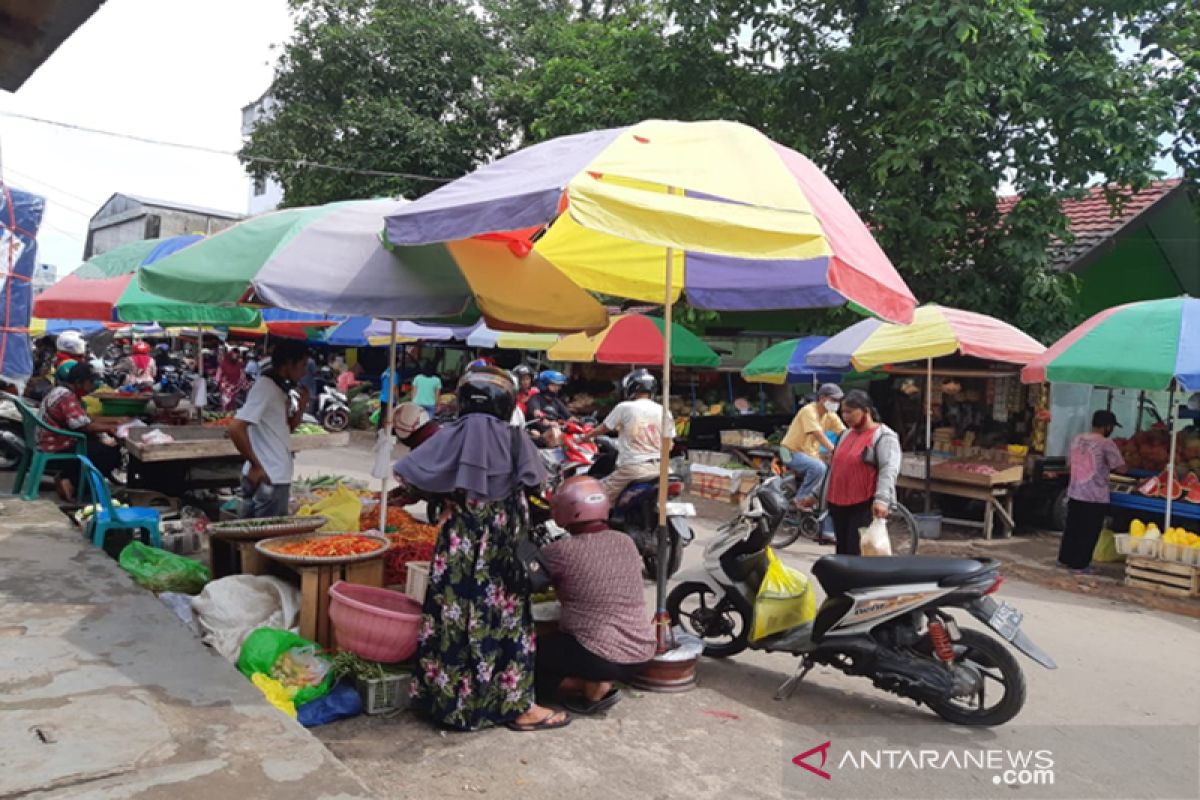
103	693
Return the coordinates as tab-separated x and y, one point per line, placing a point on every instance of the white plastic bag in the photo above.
229	609
873	540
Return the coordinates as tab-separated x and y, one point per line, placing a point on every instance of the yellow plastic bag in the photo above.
342	508
785	599
276	695
1106	548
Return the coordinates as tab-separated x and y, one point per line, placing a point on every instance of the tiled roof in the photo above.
1092	221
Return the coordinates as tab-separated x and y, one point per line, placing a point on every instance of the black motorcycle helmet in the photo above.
774	503
640	381
487	390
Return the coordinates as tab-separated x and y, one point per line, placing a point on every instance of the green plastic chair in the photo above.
107	516
34	461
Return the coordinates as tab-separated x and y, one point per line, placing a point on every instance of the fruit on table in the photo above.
1152	532
1137	529
1179	536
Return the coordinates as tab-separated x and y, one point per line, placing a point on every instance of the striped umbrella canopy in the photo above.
105	289
935	331
331	259
745	223
484	337
785	362
368	332
635	339
1147	345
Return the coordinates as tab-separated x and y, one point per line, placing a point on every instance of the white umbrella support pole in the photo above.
929	435
1171	411
391	410
662	620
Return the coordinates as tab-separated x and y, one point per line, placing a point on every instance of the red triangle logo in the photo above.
823	749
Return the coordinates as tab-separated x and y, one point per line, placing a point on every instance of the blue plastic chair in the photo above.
107	516
33	461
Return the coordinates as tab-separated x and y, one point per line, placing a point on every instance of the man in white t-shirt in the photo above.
262	431
638	423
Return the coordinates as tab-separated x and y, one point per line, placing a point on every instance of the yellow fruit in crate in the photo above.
1152	532
1137	529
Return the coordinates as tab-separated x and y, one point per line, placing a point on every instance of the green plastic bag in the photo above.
160	571
264	647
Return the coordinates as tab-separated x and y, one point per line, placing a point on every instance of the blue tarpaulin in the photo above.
20	218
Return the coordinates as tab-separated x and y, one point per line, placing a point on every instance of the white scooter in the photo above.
884	618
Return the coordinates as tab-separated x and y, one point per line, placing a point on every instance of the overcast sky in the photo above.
177	70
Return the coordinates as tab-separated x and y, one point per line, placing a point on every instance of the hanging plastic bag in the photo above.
873	540
275	693
785	599
293	660
381	467
160	571
342	509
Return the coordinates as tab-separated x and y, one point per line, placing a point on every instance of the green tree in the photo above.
396	86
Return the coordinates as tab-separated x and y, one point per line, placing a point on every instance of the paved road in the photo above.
1119	665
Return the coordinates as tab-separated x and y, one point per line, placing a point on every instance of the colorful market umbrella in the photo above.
105	289
935	331
53	327
484	337
1152	345
368	332
746	223
785	363
635	339
714	210
330	259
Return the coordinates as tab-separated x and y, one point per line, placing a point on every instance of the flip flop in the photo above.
544	724
580	705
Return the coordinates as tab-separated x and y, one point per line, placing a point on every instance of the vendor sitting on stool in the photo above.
62	408
262	431
605	633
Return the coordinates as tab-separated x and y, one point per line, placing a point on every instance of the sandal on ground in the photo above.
546	723
581	705
1084	571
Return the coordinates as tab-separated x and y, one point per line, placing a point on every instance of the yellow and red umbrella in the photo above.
635	339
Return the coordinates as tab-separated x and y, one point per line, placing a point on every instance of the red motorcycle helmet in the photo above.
580	499
141	349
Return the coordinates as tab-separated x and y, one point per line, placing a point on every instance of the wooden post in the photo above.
929	436
1171	411
662	620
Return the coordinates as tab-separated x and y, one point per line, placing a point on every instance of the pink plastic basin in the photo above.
375	624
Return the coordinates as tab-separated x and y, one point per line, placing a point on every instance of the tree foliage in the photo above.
919	110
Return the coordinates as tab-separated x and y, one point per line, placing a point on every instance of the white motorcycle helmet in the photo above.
71	342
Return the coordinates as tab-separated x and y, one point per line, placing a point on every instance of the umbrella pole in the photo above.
929	435
1171	461
391	410
662	620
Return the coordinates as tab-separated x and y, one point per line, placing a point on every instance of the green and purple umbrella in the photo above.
1149	345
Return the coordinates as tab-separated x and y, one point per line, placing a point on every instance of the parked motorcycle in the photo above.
333	412
636	512
12	435
886	619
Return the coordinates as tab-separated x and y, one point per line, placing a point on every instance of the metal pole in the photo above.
928	435
391	410
1171	463
662	620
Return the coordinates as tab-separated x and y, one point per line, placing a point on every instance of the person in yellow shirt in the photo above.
805	437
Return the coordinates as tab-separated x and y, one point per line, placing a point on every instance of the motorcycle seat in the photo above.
840	574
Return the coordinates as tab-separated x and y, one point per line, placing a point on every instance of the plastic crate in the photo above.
416	580
381	695
1180	554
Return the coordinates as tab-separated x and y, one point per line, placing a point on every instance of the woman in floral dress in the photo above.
475	654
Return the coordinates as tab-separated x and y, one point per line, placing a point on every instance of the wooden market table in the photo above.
200	457
997	500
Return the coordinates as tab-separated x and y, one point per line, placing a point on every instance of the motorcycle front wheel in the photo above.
336	420
721	625
998	671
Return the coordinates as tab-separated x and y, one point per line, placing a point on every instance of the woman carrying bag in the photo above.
862	472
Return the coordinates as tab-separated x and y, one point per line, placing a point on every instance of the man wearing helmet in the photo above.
807	434
71	347
605	634
525	388
638	423
138	368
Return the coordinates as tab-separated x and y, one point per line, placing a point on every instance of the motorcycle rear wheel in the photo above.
336	420
993	660
721	625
